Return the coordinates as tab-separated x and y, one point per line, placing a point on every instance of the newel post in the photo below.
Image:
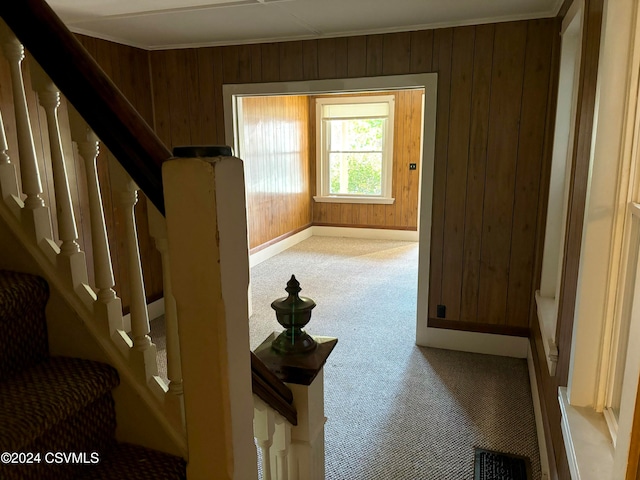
298	359
207	233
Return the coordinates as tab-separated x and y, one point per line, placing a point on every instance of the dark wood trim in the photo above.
263	390
544	382
478	327
278	239
564	8
260	369
549	429
78	76
377	227
272	390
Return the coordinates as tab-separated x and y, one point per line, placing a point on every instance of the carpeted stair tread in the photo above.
134	462
23	328
36	400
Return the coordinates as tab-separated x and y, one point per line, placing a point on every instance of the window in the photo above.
354	138
619	358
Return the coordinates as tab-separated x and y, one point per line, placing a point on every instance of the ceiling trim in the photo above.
163	11
428	26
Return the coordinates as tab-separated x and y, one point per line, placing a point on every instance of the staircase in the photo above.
58	411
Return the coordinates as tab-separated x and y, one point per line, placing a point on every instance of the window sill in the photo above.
347	199
587	441
547	316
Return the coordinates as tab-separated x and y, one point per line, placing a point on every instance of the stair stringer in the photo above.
73	331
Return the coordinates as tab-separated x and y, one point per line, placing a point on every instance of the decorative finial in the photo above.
293	285
293	313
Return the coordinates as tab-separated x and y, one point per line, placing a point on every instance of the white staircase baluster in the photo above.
264	426
280	449
143	354
37	215
49	97
8	176
108	306
71	259
158	230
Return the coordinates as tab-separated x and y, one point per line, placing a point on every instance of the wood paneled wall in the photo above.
275	150
403	213
492	97
495	81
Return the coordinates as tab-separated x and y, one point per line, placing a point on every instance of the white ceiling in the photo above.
162	24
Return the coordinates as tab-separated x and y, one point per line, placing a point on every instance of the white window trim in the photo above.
552	259
628	277
322	171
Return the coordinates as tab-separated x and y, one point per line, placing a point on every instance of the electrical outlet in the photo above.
412	166
441	311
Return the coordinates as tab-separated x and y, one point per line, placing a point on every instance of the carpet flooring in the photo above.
395	410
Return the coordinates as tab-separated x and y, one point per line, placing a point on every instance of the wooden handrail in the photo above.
272	390
111	116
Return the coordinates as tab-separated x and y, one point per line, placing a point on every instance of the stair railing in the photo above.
57	242
47	224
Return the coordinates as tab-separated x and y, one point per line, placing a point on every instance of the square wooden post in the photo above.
303	374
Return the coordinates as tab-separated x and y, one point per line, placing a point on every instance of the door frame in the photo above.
428	81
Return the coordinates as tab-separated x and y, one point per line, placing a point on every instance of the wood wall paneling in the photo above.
530	154
396	53
276	156
507	78
421	51
356	56
476	171
442	46
374	55
310	59
488	150
456	171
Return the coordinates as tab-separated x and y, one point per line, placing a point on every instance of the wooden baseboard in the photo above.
539	416
374	227
277	239
365	232
278	245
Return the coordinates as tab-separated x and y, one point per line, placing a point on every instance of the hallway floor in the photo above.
395	410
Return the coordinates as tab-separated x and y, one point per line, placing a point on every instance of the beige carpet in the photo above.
395	411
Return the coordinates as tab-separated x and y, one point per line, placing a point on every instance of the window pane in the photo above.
358	134
355	173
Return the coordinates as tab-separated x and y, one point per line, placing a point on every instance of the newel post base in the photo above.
303	373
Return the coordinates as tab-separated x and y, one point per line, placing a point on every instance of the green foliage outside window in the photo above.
355	156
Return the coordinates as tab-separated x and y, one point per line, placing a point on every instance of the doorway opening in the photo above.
284	187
